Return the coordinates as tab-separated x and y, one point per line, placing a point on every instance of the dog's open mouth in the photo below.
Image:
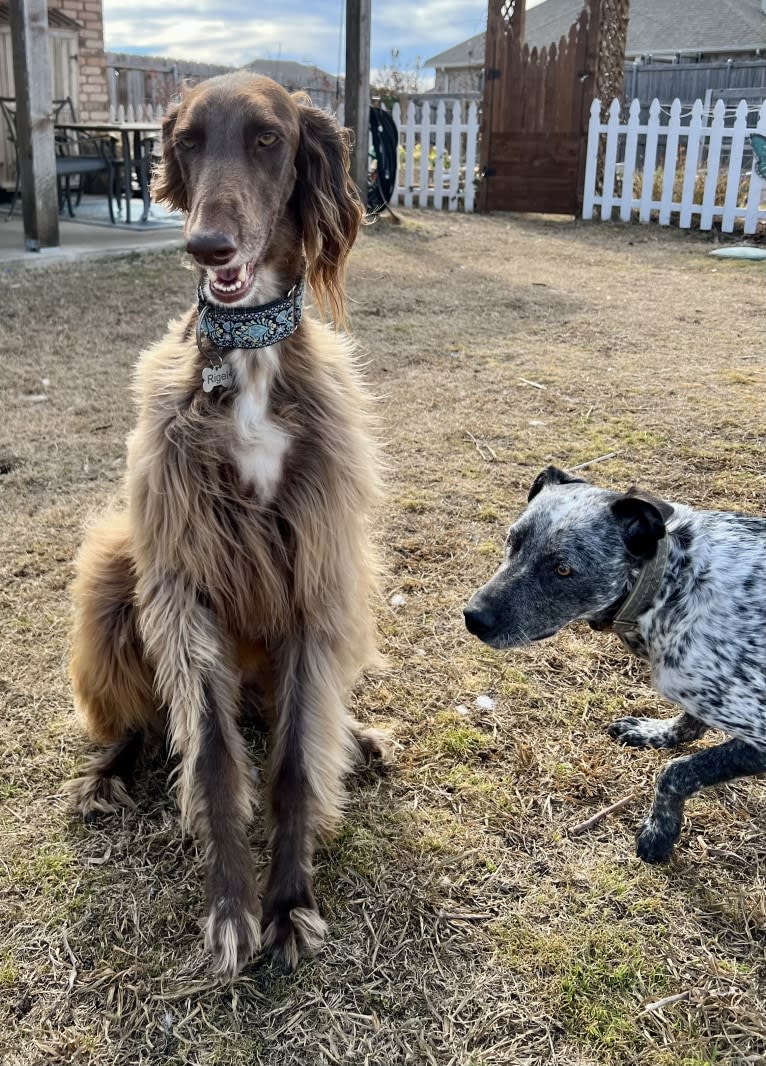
231	284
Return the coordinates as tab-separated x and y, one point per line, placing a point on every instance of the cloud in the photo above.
234	32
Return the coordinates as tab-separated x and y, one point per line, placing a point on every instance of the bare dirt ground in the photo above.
467	926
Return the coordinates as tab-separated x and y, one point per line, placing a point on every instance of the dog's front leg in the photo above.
312	749
196	680
683	777
656	732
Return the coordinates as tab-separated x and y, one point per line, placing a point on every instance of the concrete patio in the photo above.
89	235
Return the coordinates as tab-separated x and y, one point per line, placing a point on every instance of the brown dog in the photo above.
243	539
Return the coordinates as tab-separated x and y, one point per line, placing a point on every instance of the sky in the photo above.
234	32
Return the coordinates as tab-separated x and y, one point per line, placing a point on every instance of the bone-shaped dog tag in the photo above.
217	377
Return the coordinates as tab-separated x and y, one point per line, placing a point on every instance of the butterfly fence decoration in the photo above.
758	141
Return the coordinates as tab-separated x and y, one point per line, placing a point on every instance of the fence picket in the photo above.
471	138
396	115
591	161
650	161
713	164
693	131
671	162
410	154
757	184
425	146
455	155
735	167
441	128
629	166
610	161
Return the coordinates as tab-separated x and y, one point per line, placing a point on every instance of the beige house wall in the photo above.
458	80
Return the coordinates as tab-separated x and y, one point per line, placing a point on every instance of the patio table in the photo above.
132	156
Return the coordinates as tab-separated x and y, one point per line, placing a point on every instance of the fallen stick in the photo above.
598	459
482	448
660	1003
599	816
534	384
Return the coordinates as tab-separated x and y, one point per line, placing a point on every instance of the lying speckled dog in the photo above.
684	589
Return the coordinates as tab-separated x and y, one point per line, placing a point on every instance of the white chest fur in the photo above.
259	443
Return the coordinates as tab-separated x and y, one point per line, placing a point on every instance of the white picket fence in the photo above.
437	160
701	169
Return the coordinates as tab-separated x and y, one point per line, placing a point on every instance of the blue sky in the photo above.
236	31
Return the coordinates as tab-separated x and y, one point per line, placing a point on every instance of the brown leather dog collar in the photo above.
643	593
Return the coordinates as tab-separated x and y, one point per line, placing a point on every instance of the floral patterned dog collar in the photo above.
250	327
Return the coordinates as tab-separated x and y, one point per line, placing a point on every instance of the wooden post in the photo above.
357	104
34	123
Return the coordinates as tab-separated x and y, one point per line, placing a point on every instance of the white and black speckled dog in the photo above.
684	589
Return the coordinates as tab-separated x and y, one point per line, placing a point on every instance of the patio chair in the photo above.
71	160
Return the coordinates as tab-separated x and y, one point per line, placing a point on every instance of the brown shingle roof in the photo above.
656	27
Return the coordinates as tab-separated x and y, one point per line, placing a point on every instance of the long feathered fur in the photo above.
198	577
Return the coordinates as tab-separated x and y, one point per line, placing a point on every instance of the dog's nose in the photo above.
479	620
212	249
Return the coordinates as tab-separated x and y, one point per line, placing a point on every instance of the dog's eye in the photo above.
186	143
563	570
265	140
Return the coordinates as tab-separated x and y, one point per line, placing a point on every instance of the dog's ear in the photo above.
665	509
641	521
329	207
168	185
551	476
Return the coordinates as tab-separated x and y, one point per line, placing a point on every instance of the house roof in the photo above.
656	27
293	75
56	20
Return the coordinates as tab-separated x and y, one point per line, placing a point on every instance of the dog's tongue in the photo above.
227	276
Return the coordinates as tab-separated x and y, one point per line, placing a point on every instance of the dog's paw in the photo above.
656	839
292	933
94	794
376	748
232	936
641	733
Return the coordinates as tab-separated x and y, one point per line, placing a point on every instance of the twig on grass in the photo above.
484	450
598	459
534	384
666	1001
583	827
464	916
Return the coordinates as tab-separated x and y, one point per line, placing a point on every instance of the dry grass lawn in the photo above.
468	927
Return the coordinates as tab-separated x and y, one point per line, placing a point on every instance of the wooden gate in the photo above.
537	105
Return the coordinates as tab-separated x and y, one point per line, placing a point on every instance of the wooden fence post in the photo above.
34	123
357	93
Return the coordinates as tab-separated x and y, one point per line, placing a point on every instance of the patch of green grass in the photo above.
356	847
466	782
46	872
413	504
594	976
594	438
597	703
490	548
488	513
609	971
452	736
8	972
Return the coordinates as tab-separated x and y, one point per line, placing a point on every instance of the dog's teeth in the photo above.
228	286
